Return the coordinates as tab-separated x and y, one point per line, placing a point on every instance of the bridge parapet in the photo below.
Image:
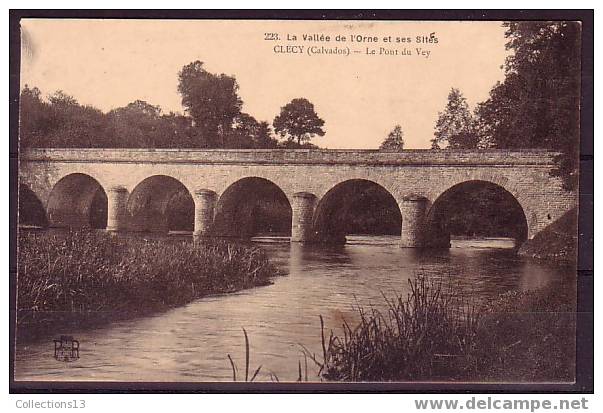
294	156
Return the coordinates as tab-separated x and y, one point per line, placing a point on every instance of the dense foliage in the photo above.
61	122
211	100
536	106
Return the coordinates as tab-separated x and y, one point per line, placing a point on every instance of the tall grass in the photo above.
96	272
434	334
418	337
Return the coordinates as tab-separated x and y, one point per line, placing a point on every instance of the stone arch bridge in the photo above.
136	186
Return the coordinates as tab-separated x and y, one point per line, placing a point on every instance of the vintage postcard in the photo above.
276	201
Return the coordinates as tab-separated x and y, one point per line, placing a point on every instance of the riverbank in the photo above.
73	279
434	335
530	336
558	242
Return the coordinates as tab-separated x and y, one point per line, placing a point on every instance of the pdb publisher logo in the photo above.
66	348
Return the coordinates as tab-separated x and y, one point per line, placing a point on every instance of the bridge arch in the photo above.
523	197
160	203
77	201
31	209
356	206
475	207
252	206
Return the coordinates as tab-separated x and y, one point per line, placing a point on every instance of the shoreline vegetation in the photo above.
434	334
77	278
558	242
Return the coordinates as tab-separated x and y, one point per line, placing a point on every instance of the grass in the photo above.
431	329
557	243
96	273
530	336
433	334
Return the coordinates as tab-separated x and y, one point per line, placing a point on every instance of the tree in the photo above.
262	136
394	140
59	121
34	118
61	99
298	121
177	131
135	125
249	133
538	103
455	125
211	100
73	125
142	125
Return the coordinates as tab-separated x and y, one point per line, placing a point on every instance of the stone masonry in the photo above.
415	178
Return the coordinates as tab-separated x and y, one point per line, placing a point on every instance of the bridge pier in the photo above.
205	204
413	216
302	207
117	205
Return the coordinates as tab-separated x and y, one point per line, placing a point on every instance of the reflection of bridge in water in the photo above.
216	192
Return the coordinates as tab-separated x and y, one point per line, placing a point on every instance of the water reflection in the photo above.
191	343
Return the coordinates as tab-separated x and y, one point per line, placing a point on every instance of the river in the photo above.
191	343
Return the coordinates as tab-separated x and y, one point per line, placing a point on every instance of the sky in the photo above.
360	96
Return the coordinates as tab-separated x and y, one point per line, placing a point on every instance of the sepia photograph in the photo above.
356	198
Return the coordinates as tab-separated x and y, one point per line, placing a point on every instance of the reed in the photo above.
96	272
430	333
235	368
301	377
435	334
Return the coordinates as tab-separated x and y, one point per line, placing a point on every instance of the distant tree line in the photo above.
213	119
